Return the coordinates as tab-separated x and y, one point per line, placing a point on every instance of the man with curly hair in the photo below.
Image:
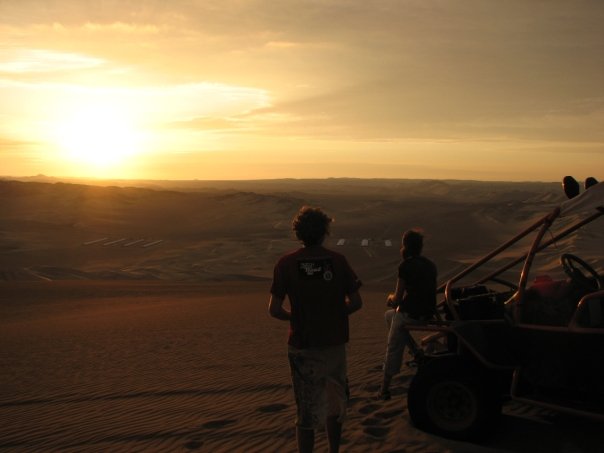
322	290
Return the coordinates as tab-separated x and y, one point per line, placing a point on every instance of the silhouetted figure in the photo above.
414	301
323	290
571	186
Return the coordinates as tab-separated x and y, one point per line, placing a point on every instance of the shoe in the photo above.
384	395
418	358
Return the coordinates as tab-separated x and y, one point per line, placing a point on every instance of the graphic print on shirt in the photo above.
316	269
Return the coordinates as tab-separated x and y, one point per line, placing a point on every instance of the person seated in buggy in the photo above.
413	302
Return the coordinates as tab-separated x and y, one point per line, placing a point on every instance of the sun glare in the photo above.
98	135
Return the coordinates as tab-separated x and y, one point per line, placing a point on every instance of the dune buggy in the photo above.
540	343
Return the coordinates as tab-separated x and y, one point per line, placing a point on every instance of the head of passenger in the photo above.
413	242
311	225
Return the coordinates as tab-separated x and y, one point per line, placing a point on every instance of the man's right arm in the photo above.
276	310
395	299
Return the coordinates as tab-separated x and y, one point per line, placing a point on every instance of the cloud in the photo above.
380	111
159	105
122	27
233	123
190	101
11	146
21	61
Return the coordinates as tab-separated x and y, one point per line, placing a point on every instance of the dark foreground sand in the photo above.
108	343
157	366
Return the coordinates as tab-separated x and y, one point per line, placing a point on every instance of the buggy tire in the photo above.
454	398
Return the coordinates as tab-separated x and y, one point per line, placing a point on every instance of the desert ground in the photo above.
133	314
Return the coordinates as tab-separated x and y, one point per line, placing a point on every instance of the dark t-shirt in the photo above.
316	280
419	275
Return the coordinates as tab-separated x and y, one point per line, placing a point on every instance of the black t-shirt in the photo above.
419	275
317	281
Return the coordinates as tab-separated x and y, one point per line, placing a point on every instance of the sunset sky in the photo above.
246	89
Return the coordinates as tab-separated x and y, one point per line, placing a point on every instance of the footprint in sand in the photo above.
354	400
193	445
371	421
270	408
216	424
385	415
368	408
371	388
378	432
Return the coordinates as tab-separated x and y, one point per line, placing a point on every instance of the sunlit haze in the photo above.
224	89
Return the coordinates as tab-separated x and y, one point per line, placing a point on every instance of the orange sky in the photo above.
230	89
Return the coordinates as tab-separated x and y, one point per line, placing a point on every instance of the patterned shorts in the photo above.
319	377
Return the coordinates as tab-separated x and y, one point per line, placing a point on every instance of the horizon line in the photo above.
329	178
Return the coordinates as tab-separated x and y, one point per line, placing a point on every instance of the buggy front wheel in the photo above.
453	398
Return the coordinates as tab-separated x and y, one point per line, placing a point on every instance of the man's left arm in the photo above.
276	309
354	302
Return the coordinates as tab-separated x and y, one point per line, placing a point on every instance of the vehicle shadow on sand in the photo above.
526	429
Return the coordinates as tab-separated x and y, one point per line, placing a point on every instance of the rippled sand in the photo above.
156	366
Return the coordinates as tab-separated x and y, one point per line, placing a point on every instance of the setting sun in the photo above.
98	135
230	90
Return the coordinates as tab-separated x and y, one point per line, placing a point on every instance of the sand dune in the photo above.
170	348
157	366
219	231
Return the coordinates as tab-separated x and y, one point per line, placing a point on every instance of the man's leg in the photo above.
388	316
306	439
334	433
337	396
394	354
306	379
384	393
